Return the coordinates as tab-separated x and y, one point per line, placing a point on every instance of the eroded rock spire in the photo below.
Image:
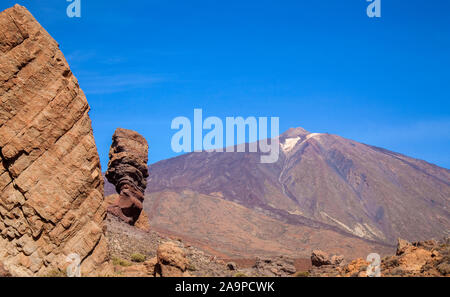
128	172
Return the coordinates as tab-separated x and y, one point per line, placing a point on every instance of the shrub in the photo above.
138	258
301	274
120	262
190	267
55	273
240	274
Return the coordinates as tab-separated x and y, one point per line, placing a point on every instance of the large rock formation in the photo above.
51	188
128	172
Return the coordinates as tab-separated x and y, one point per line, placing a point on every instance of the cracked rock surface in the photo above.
51	187
128	172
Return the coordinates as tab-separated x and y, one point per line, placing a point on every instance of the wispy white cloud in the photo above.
108	84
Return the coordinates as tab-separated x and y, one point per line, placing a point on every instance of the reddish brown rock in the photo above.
337	259
172	261
143	222
356	268
319	258
150	265
402	245
277	266
128	171
51	188
3	271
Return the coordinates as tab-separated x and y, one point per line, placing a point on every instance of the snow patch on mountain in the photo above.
289	144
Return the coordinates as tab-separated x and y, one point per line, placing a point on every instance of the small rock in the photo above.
278	266
402	245
320	258
337	259
444	268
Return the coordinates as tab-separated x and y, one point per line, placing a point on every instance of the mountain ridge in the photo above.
322	181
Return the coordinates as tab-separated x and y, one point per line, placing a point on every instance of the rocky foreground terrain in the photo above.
429	258
126	243
165	256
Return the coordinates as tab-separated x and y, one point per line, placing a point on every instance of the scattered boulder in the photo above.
337	259
320	258
172	261
128	172
356	268
402	245
278	266
51	186
444	268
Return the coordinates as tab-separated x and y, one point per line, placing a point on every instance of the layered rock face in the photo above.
51	188
128	172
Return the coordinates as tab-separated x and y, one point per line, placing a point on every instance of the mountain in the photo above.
324	192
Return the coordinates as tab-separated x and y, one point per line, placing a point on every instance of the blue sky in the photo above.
321	65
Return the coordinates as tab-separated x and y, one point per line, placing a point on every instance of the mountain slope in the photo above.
320	181
228	229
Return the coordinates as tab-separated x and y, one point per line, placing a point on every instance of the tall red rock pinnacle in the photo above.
128	172
51	188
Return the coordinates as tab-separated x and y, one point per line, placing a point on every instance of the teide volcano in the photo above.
324	192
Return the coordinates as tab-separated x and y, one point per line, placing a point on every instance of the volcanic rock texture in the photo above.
51	201
128	172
